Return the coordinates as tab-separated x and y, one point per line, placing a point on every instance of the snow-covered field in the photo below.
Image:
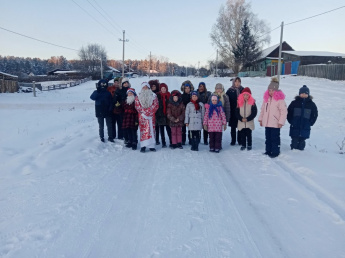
63	193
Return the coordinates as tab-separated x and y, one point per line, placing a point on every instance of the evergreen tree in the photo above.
247	50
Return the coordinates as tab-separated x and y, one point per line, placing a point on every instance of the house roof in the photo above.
8	75
314	53
64	72
113	69
268	51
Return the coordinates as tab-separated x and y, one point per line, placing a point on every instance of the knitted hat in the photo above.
247	89
202	83
163	85
116	79
187	85
194	93
274	84
304	89
131	90
125	80
219	86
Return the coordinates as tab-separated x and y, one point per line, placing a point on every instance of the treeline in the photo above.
22	67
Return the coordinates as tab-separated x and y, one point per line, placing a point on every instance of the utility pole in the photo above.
280	51
101	68
150	66
123	53
217	65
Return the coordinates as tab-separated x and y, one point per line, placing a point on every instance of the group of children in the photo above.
200	110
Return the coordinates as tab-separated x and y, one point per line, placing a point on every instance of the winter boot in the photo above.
243	147
249	148
172	146
164	145
129	145
111	140
197	141
216	151
102	139
193	145
153	149
134	146
143	149
179	145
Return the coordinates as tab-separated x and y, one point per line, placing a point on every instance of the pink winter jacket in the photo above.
273	110
215	123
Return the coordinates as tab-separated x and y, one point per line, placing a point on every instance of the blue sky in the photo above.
178	30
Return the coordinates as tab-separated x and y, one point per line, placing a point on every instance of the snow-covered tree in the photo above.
247	49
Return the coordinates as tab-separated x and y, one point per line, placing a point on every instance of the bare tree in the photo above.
91	56
225	34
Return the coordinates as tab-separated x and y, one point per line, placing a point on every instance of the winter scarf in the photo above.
277	95
164	96
196	104
237	89
214	107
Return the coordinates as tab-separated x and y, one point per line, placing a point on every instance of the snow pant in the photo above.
195	137
297	143
272	141
176	134
205	136
117	119
161	129
101	127
215	140
131	135
157	133
234	132
246	137
184	135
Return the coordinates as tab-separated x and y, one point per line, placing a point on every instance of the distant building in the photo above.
8	83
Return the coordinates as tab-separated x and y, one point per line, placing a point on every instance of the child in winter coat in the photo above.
214	123
245	113
130	120
203	96
272	117
103	108
302	114
186	89
194	117
161	115
175	114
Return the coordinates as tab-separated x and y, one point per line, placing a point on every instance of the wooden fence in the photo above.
56	86
8	86
328	71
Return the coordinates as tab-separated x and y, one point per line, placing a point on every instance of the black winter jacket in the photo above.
103	103
232	94
302	114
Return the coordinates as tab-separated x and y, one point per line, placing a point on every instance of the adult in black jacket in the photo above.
186	88
302	114
203	96
103	108
233	92
119	98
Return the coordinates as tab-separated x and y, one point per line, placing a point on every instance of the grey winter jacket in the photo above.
194	118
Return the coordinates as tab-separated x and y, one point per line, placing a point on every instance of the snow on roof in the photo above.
268	51
113	69
314	53
63	72
9	75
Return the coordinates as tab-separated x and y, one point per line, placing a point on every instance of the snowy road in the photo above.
66	194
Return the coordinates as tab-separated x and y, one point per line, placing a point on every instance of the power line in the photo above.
268	32
94	18
46	42
315	15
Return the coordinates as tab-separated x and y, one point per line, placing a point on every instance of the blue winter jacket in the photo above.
103	102
302	114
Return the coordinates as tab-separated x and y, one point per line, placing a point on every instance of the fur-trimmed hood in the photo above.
187	82
171	99
240	100
277	95
309	97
